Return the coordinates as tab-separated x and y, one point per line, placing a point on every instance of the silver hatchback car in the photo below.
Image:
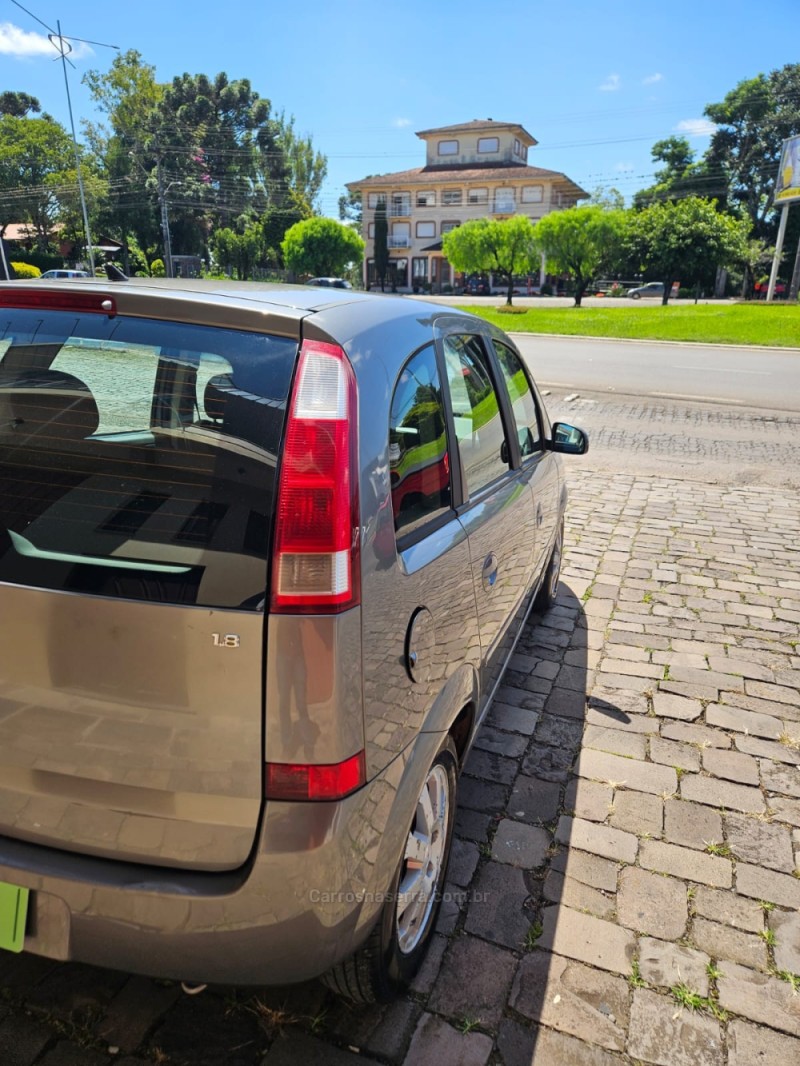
264	555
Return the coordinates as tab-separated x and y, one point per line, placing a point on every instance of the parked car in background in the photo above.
477	285
56	275
652	288
252	616
330	283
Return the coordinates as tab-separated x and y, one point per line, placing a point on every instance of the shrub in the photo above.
685	294
157	269
546	289
43	260
25	270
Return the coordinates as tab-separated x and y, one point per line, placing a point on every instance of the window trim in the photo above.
484	189
425	222
488	151
428	193
447	151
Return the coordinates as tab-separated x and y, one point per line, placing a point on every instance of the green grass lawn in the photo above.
775	325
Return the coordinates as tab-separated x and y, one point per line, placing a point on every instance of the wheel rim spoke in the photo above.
423	861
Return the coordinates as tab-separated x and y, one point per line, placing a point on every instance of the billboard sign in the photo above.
787	188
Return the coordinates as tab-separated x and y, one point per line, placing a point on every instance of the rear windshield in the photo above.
137	457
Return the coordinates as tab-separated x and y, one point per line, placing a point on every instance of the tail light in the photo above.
330	781
316	552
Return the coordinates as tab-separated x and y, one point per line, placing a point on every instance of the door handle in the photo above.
489	571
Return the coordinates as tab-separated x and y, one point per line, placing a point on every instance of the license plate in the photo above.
13	912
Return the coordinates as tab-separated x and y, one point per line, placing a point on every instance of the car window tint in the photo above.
476	412
138	457
419	464
523	403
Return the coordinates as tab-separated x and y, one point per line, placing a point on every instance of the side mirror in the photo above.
569	439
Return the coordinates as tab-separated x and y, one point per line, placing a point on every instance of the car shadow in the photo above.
496	970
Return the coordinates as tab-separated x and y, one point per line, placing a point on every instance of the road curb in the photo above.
635	340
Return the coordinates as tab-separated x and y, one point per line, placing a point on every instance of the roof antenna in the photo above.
113	273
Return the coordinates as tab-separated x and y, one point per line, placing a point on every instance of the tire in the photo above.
636	296
396	947
546	595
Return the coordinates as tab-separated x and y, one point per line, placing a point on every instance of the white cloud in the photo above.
651	79
401	123
696	127
611	84
25	44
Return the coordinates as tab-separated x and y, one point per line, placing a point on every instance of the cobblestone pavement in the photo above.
716	443
624	884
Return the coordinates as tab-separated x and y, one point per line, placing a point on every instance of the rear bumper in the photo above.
307	899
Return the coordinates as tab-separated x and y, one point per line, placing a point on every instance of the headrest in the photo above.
47	404
215	397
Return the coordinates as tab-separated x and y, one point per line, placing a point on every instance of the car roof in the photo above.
342	313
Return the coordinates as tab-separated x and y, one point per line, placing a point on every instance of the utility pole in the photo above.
63	46
162	200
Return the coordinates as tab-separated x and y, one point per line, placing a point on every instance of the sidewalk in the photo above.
624	885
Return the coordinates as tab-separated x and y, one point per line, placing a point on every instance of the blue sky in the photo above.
595	83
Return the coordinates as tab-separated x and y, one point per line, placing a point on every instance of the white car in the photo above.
52	275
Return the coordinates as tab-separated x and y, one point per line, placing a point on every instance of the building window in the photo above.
451	197
517	146
371	229
446	227
448	147
426	199
419	269
488	144
401	204
478	196
504	201
532	194
400	236
426	229
374	198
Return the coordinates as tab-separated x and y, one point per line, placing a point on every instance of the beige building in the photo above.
472	170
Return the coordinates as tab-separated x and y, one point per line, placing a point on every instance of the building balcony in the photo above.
398	210
398	242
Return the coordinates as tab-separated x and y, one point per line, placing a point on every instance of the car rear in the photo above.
181	720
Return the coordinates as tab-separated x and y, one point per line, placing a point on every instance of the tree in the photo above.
238	251
320	246
18	104
484	245
351	208
581	241
687	240
681	175
752	122
381	243
608	197
307	167
37	168
127	95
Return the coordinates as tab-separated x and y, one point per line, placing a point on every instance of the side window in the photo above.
476	413
523	403
419	463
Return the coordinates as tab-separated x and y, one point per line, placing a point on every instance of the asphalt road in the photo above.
753	377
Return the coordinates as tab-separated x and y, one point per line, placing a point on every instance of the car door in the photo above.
497	509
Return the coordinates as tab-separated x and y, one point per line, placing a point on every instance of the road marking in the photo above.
724	370
697	399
